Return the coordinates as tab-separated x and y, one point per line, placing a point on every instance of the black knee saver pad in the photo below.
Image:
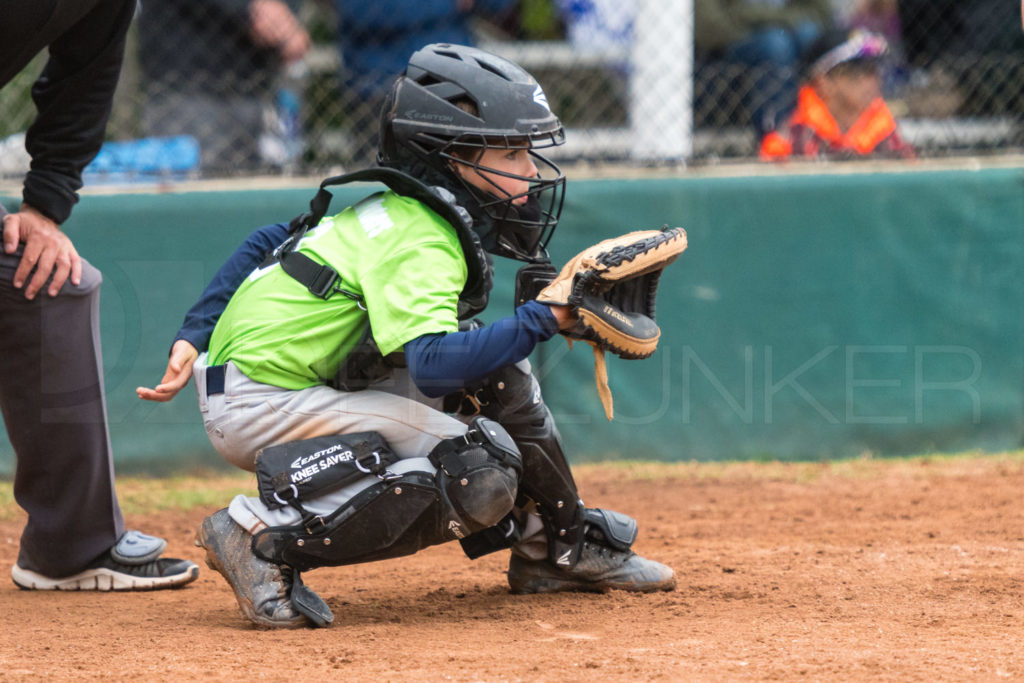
474	487
296	471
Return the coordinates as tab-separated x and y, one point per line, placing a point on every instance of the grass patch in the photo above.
141	495
8	508
863	467
147	495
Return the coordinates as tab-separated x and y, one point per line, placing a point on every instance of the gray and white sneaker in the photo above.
124	568
261	588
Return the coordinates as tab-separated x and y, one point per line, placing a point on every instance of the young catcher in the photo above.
345	366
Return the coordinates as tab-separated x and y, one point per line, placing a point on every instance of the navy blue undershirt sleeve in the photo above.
442	363
202	317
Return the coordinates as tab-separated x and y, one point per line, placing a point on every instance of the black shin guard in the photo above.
388	519
512	398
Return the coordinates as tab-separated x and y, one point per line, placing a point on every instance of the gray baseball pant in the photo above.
242	416
246	416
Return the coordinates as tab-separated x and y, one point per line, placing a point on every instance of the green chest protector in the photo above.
323	281
365	365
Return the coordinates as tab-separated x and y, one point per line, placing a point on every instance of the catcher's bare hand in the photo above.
179	371
47	249
565	316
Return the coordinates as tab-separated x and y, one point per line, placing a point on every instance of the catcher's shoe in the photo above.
133	564
261	588
600	569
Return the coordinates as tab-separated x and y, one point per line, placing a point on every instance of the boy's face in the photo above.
852	88
514	161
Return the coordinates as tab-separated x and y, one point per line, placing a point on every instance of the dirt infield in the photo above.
869	570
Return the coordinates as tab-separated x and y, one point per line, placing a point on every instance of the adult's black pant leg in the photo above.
51	396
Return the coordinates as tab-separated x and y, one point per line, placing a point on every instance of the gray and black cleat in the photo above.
605	563
261	588
600	569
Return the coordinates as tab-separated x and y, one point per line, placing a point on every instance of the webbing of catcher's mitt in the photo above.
611	288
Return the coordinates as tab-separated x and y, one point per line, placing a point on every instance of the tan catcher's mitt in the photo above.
611	287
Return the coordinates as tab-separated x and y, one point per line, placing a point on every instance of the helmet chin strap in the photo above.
496	220
508	230
528	210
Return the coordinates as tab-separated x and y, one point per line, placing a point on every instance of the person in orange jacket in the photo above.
840	113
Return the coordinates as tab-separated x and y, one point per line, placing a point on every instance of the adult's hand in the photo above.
47	249
273	25
179	371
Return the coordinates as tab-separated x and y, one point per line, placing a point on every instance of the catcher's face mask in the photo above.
519	189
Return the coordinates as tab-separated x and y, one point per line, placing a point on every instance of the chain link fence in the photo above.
208	92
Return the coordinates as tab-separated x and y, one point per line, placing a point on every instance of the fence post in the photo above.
661	82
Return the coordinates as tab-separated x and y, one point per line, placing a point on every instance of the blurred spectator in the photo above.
970	52
878	16
211	71
840	112
376	40
768	36
597	24
958	28
883	17
539	20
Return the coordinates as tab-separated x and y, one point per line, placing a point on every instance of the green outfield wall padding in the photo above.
813	316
